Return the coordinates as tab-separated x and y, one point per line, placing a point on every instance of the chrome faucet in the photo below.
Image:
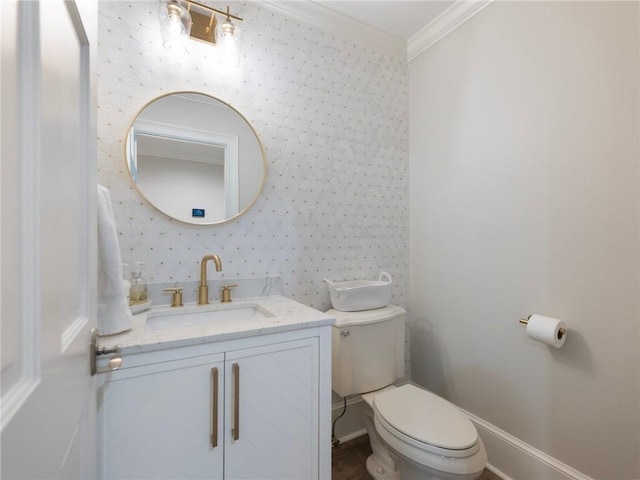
203	291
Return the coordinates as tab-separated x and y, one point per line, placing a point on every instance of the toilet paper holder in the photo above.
561	332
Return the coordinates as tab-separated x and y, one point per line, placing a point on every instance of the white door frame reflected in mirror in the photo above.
204	162
165	131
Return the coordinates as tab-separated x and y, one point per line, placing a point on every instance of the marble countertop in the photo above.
285	315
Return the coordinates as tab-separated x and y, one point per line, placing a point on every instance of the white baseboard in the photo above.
352	435
510	457
499	473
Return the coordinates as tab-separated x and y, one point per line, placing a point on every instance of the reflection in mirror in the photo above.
195	158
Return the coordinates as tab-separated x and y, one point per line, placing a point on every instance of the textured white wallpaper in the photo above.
332	115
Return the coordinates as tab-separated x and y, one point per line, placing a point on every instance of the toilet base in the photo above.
387	464
378	470
407	470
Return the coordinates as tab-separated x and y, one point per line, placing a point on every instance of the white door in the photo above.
47	279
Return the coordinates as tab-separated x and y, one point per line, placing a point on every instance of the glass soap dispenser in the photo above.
138	290
126	284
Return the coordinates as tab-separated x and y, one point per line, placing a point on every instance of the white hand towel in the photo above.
114	315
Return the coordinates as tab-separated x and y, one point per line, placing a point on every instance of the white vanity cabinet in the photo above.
155	421
256	408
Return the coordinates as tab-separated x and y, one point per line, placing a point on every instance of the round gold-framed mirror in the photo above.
195	158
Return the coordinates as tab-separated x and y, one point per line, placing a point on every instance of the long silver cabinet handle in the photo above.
214	406
235	431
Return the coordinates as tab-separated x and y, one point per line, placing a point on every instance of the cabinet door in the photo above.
271	415
157	421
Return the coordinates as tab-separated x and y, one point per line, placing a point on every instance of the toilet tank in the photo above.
367	349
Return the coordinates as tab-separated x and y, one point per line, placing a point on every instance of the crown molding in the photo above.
453	17
318	15
329	20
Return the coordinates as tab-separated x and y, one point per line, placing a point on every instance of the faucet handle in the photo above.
226	293
176	298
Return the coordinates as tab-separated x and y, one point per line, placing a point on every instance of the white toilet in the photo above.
414	434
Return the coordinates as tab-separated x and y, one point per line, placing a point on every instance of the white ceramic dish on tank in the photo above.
358	295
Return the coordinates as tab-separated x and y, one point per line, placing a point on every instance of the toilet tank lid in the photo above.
344	319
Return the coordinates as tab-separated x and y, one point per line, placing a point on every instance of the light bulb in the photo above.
175	24
175	27
228	44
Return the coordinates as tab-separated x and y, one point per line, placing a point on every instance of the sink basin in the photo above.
216	316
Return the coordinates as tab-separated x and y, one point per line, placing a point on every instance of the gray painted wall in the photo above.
524	199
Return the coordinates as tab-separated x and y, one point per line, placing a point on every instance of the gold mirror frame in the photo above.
239	152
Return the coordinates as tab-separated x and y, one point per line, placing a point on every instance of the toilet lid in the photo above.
426	418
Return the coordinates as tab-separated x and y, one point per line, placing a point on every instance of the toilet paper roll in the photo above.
547	330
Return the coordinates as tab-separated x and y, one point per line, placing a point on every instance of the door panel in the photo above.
156	421
278	412
18	158
48	238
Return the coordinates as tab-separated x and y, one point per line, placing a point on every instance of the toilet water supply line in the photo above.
334	441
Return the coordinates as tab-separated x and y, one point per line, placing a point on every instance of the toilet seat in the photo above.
425	421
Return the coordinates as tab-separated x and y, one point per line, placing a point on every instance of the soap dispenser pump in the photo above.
138	290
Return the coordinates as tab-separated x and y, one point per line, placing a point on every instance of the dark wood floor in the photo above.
348	461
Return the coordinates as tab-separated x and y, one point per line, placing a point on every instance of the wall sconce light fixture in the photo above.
175	25
182	19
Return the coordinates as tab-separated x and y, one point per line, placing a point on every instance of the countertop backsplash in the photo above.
247	287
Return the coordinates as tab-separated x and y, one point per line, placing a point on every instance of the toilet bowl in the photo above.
414	434
423	435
